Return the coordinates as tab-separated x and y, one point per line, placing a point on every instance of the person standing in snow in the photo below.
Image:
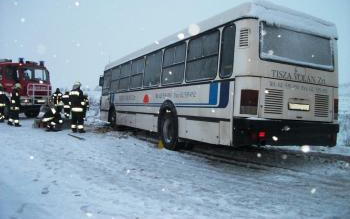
15	106
4	101
66	107
57	99
52	119
87	105
77	103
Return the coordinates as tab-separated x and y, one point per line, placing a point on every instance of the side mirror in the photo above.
100	83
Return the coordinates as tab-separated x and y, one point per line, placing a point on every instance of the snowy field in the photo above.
115	175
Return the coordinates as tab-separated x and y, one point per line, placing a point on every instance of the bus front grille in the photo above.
273	101
321	105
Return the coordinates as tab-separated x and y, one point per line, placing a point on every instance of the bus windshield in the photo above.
32	74
284	45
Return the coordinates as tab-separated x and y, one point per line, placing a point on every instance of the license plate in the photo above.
298	106
41	101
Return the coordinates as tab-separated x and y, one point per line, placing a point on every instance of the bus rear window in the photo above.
288	46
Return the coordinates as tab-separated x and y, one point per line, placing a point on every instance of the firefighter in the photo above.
57	99
52	119
4	102
77	103
87	105
66	107
15	106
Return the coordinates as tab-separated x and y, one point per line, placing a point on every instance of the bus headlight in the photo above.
249	102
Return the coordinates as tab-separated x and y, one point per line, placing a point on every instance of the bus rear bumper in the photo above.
283	132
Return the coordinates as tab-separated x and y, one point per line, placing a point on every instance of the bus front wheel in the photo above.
169	131
112	118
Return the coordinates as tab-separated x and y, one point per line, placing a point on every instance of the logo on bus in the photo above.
146	99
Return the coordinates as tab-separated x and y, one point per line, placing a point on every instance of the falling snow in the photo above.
23	20
194	29
181	36
313	191
305	149
77	4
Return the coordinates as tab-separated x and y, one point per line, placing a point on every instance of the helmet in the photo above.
58	90
18	86
76	85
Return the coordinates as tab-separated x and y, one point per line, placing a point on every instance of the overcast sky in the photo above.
77	38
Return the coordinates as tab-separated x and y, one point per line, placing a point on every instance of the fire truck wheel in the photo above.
31	114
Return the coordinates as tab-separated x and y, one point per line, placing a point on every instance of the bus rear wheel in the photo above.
169	131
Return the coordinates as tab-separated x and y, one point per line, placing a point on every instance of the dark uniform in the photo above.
57	99
76	102
66	107
52	119
87	105
15	106
4	102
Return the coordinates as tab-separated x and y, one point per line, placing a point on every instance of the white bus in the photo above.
258	74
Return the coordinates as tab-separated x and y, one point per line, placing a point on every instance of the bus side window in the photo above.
107	82
202	60
227	51
115	79
125	72
153	69
174	64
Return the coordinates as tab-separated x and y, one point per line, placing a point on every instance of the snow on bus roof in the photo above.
260	9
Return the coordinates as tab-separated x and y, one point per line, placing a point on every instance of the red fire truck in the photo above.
34	79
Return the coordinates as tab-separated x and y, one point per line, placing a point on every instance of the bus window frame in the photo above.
216	29
161	70
261	23
184	42
137	74
221	50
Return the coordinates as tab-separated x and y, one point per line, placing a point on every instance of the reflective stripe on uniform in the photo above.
47	119
10	120
80	127
77	109
75	93
16	121
66	106
82	103
73	126
2	105
13	101
53	110
53	123
65	96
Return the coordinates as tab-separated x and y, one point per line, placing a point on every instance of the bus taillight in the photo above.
336	107
249	102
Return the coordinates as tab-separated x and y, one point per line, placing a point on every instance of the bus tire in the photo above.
169	131
112	118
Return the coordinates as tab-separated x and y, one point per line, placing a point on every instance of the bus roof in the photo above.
261	10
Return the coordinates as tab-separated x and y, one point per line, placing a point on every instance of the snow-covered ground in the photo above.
114	175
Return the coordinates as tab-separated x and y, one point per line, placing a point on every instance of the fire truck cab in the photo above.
35	82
